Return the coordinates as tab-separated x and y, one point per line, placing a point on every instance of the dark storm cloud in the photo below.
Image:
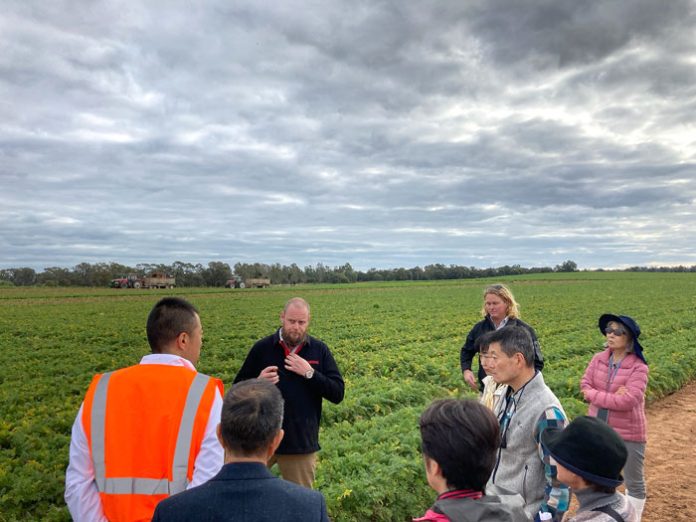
375	133
554	34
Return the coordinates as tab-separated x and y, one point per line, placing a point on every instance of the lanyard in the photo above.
612	370
508	412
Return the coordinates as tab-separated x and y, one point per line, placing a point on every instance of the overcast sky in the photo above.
383	134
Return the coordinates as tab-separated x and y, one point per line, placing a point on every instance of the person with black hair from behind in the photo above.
589	457
459	443
245	490
146	431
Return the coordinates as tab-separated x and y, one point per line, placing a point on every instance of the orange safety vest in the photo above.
145	425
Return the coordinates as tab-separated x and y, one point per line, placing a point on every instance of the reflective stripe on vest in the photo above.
139	485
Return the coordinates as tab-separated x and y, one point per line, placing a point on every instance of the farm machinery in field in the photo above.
154	280
239	282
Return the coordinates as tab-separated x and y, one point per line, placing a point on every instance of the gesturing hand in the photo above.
270	373
297	364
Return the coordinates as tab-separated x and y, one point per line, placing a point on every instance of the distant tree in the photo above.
320	273
346	273
416	273
567	266
436	271
55	276
143	269
187	274
296	275
217	273
24	276
244	270
99	274
278	274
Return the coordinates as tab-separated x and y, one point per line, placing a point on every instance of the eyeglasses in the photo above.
615	331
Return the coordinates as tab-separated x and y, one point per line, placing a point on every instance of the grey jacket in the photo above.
519	466
590	500
489	508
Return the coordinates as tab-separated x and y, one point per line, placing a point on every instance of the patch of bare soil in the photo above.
670	458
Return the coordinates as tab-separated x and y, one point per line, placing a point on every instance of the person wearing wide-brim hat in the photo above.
614	384
589	457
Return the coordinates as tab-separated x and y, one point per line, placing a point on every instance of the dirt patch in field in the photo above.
670	466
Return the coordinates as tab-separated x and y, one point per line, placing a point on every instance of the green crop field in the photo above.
397	345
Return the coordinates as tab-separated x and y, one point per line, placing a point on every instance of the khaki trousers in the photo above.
296	468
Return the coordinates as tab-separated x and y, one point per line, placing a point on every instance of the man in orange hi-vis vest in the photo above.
147	431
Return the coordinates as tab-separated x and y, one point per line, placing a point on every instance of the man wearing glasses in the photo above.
528	408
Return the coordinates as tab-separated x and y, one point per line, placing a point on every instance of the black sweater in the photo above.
303	397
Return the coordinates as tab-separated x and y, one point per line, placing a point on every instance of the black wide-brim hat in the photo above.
590	448
629	323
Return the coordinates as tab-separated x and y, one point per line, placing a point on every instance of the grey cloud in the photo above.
551	34
378	133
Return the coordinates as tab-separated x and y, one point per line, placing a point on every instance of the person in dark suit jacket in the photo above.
244	490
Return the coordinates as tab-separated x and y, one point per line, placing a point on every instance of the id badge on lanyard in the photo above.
603	413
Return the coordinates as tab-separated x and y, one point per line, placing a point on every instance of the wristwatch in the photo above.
309	373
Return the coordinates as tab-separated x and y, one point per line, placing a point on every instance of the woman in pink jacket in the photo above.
614	384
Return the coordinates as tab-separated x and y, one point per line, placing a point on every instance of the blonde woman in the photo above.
499	310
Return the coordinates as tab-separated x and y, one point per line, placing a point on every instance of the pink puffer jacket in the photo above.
626	412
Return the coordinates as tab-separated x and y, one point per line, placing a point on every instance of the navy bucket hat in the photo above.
632	327
590	448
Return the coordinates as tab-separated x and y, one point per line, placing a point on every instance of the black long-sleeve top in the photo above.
303	397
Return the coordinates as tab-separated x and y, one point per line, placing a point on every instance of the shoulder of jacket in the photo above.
315	341
634	366
602	356
633	360
269	339
518	322
482	326
298	491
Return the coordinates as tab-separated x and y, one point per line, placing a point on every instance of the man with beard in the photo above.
306	373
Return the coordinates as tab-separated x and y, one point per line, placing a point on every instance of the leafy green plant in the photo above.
397	345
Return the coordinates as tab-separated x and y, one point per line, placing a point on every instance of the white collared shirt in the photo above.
503	322
81	494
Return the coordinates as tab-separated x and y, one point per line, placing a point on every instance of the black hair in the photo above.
512	340
169	317
462	436
252	414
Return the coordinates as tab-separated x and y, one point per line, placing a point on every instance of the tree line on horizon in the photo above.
217	273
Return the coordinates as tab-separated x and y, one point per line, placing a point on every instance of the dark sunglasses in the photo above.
615	331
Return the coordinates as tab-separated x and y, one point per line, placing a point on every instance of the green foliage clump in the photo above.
397	345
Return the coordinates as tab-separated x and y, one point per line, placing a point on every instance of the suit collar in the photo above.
244	471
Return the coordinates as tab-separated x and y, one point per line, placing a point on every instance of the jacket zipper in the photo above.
524	483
